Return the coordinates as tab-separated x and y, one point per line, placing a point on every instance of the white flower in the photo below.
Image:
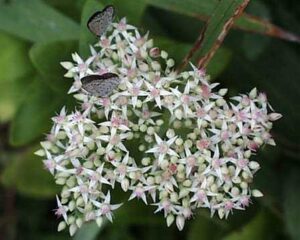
163	148
114	140
61	210
155	93
139	192
105	207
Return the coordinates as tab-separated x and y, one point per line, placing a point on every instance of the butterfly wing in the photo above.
99	21
100	85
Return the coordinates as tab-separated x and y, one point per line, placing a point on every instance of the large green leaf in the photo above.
263	226
14	66
86	37
35	21
291	203
70	8
219	62
46	58
202	10
133	10
33	115
217	28
205	228
178	50
26	173
88	231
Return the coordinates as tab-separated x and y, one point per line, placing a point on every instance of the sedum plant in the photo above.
173	140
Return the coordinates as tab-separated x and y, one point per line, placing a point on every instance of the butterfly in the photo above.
100	21
100	85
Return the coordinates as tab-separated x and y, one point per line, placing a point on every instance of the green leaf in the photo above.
89	231
202	10
193	8
216	27
33	115
205	228
254	44
86	37
143	215
26	173
70	8
291	203
262	227
219	62
14	66
46	58
133	10
35	21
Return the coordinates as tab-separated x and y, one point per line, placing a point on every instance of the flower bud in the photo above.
125	184
254	165
143	67
187	183
71	205
253	93
60	181
159	122
150	180
170	219
221	213
142	148
71	219
155	66
150	130
180	222
223	91
154	52
274	116
79	201
174	197
99	221
164	54
170	62
235	191
79	222
72	229
143	128
170	133
61	226
256	193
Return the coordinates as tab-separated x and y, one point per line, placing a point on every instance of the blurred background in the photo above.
35	35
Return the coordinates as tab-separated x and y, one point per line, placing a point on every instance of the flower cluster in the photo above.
168	139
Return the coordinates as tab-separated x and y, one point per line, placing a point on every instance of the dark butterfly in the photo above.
100	85
100	21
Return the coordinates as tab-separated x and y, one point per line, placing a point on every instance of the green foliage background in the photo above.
36	35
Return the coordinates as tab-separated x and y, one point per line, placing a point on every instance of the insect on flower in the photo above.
100	85
100	21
